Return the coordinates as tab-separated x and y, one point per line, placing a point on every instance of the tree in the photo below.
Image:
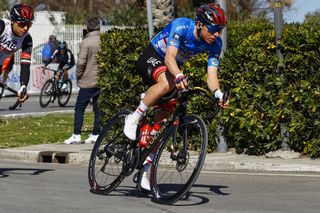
4	5
163	12
313	17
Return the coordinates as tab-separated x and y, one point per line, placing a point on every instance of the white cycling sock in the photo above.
139	111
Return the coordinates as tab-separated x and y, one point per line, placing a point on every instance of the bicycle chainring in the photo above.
130	161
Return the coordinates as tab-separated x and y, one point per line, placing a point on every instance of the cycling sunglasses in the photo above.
23	24
214	28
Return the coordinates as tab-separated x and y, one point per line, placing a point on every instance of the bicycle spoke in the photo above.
106	161
177	166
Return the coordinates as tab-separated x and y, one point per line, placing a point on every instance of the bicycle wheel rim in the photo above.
172	178
46	93
105	164
65	95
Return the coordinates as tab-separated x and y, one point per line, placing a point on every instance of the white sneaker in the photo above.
145	183
130	127
91	139
64	86
73	139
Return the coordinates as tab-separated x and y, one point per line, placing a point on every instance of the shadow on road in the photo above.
192	198
6	172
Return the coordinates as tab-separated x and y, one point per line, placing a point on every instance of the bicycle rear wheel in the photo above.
46	94
179	160
109	154
65	94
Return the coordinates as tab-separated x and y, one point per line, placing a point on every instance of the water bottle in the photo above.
145	135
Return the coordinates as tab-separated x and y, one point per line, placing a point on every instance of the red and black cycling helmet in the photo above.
212	16
22	13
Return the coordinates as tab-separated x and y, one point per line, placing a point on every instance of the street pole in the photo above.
150	18
223	5
222	145
278	23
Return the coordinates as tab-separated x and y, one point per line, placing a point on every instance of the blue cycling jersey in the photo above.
180	34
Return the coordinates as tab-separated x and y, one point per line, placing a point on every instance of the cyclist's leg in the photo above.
164	84
154	72
65	76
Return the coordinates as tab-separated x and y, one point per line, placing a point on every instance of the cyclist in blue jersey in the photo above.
180	40
159	63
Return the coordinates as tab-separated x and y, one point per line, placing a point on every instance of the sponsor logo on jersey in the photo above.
153	61
176	36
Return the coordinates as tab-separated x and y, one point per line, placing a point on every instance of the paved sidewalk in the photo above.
283	161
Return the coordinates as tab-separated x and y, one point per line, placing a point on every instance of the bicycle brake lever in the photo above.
226	96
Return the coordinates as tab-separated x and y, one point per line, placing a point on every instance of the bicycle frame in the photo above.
173	121
55	82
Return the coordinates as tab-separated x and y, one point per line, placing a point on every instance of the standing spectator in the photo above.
87	78
49	48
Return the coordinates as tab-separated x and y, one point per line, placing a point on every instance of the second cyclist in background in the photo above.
66	61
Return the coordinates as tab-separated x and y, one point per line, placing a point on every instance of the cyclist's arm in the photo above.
51	58
2	26
213	66
71	61
25	60
170	60
212	80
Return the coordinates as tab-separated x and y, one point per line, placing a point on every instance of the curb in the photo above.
259	167
34	114
213	162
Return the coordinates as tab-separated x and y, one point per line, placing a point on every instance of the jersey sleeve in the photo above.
25	60
71	61
26	48
2	26
214	55
177	33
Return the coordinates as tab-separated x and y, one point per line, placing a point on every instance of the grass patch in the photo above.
17	132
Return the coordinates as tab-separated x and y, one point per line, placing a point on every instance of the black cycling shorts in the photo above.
150	65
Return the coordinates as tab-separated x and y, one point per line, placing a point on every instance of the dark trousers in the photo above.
83	99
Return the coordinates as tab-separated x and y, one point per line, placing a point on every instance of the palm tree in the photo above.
163	12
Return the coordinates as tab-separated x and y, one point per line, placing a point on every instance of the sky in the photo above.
300	9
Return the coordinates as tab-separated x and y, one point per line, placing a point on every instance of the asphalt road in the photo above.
32	106
52	188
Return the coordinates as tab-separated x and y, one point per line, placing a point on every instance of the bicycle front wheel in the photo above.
65	93
108	155
179	160
46	94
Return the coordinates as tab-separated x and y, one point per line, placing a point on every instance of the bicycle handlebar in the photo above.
18	102
182	94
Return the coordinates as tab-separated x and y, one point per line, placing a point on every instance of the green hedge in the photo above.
265	97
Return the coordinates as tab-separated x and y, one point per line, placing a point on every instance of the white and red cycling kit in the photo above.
10	43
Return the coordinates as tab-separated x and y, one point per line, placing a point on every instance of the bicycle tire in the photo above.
64	96
46	93
105	170
166	171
